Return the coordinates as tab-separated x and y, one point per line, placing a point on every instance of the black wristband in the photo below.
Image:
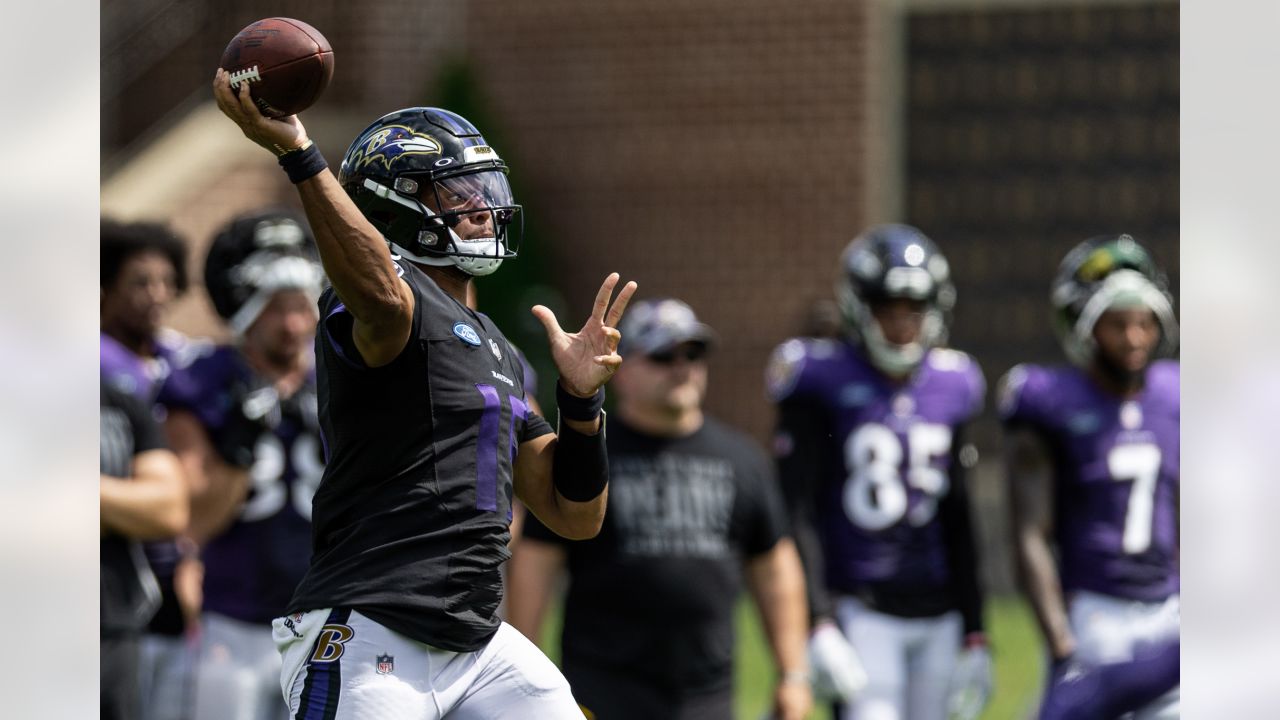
304	163
573	407
580	468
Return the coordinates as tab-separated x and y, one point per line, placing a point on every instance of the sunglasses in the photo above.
690	353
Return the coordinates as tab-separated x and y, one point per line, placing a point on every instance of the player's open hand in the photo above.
279	135
588	358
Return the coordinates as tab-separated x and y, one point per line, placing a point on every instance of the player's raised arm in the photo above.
564	480
354	253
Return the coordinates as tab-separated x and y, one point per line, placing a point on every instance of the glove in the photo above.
251	412
971	682
837	672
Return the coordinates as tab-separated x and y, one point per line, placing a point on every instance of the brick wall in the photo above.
1029	131
711	151
159	57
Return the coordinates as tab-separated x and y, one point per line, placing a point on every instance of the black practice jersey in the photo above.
653	594
412	517
129	595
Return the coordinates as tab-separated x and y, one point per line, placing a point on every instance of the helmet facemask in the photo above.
919	273
891	358
1104	273
1121	289
469	220
265	273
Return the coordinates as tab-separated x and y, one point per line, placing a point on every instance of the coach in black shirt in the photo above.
648	627
142	497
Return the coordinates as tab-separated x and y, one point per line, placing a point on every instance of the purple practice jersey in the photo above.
142	377
252	567
1116	467
886	460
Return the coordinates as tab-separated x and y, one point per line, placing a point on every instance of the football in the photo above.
286	62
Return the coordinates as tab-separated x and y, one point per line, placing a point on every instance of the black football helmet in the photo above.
255	256
1103	272
895	261
419	156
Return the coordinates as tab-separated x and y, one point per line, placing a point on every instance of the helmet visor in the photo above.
475	191
479	213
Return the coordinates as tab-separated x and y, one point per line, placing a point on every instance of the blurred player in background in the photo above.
243	419
427	434
143	270
873	460
143	496
1093	456
694	507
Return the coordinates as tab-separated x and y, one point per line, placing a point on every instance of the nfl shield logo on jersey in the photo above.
493	345
386	664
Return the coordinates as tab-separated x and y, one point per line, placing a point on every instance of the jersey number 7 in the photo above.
1139	464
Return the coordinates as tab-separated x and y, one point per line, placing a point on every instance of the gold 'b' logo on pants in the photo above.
329	646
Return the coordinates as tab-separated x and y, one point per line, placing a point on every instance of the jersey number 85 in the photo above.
875	494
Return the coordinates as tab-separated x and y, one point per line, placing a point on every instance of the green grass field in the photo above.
1014	641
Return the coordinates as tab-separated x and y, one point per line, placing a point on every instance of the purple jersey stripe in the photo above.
337	346
519	412
487	450
319	700
324	444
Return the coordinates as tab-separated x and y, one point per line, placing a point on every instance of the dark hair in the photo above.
121	241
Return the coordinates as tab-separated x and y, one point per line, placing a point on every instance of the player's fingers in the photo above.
548	320
246	101
222	91
620	303
611	337
612	361
602	297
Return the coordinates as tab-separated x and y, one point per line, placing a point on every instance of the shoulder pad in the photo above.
783	369
961	364
197	383
1024	392
949	360
794	359
1164	379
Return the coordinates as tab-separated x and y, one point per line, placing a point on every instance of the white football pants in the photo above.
1108	628
340	665
238	672
909	662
